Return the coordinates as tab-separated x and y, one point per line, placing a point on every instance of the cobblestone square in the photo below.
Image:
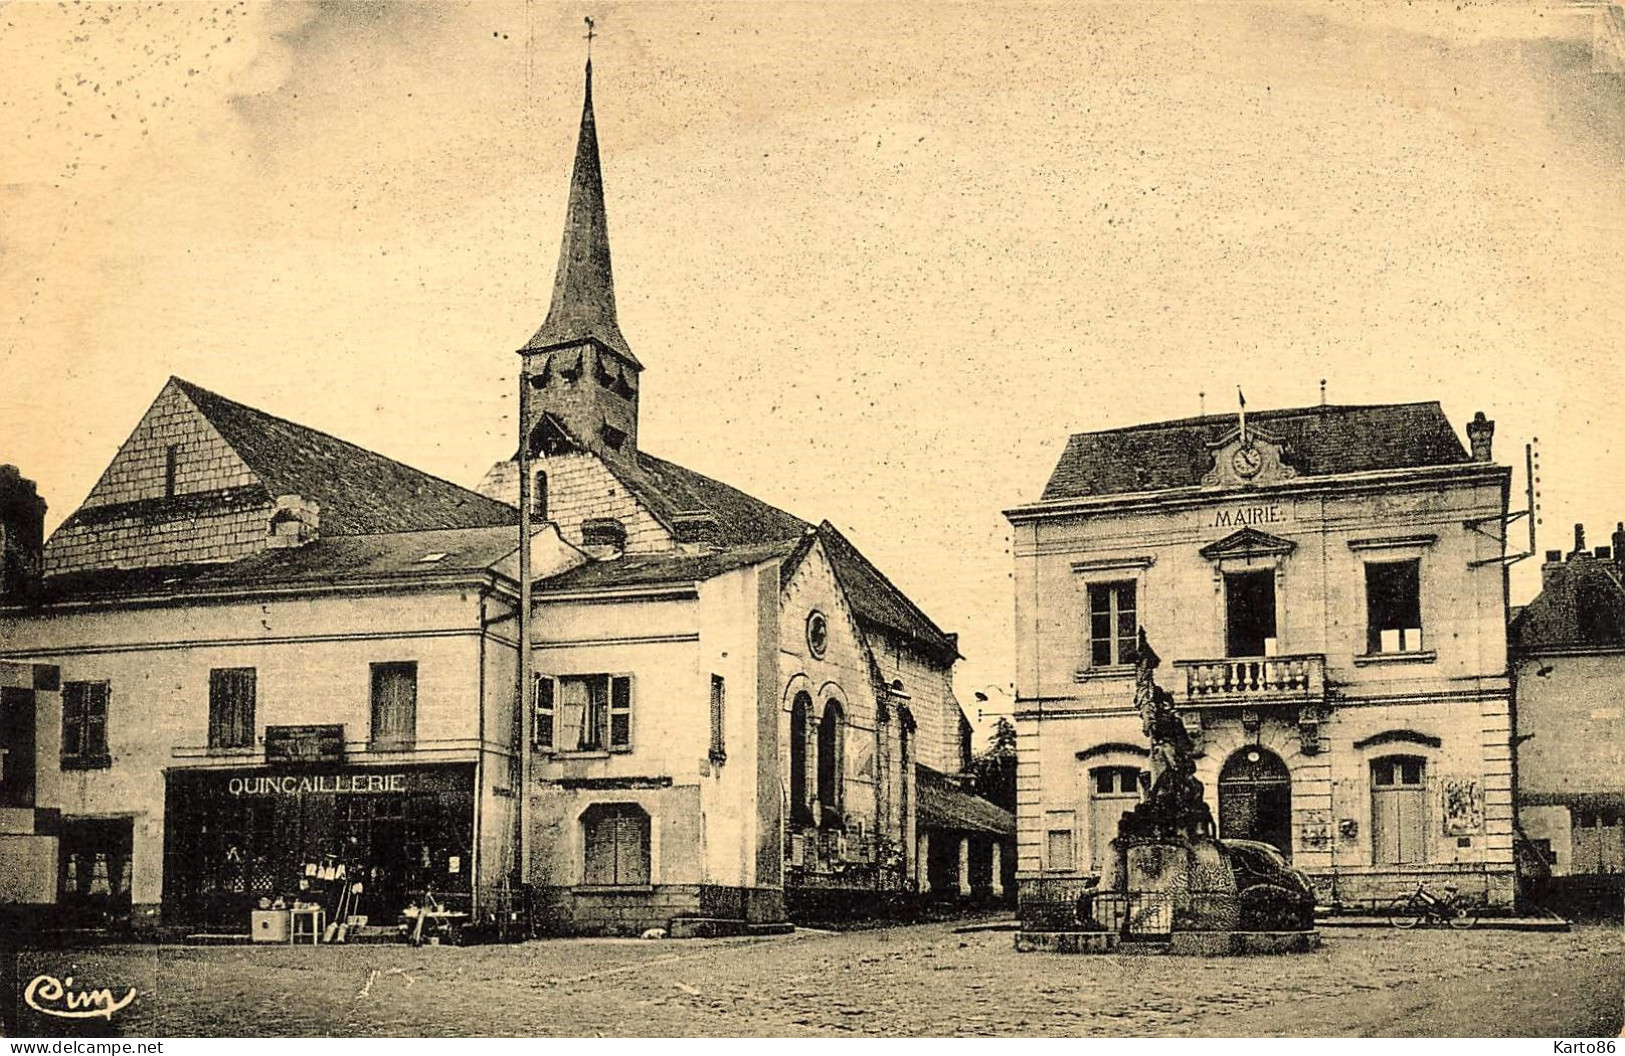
922	980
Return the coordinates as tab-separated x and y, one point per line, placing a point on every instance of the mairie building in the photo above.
1326	588
268	658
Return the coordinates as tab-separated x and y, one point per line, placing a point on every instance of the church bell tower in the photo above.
580	376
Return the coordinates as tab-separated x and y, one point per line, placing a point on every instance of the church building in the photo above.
1327	589
285	660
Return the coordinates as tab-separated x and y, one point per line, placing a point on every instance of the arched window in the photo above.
1113	790
800	792
831	755
538	496
1399	809
615	838
1255	799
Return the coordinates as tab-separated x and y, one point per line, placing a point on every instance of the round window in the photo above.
817	634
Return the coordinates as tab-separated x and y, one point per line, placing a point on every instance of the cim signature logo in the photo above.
50	996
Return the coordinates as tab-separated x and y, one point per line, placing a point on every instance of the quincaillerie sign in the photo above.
315	784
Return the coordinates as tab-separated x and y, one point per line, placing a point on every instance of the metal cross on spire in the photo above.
590	35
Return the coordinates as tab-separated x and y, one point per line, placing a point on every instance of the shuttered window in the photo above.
616	838
231	707
84	725
585	713
542	731
394	705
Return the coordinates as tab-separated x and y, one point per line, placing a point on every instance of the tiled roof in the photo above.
1582	605
360	492
1319	441
878	601
329	559
945	807
673	493
647	570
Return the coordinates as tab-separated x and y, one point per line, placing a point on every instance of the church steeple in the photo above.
583	307
580	375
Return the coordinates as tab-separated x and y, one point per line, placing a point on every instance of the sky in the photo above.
879	260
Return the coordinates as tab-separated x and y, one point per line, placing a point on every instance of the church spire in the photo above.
583	307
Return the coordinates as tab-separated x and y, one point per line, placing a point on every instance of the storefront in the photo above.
234	837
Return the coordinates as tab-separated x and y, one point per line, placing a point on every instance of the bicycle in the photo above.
1410	910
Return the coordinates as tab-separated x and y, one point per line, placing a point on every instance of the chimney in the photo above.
1551	571
1579	543
1481	432
22	536
1619	542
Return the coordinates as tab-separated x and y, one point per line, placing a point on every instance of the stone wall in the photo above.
579	488
214	509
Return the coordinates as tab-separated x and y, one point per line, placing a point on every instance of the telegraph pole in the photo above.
523	698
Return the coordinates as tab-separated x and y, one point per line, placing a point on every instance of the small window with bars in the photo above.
719	692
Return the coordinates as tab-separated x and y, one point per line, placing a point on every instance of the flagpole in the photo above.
1243	398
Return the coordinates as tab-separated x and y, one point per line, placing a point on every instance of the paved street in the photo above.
922	980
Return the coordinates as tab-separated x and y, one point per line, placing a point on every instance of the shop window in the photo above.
231	707
831	762
1112	791
84	725
616	842
394	705
584	713
1399	810
1393	599
800	792
719	692
1113	624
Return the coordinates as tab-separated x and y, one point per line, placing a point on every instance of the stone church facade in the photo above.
1326	588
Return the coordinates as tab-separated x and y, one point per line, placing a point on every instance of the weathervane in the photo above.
590	35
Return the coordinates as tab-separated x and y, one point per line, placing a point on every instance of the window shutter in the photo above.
96	720
600	851
542	731
620	712
718	701
73	718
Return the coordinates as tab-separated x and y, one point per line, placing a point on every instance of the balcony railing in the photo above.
1254	679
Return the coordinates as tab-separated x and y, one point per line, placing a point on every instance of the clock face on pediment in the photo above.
1256	459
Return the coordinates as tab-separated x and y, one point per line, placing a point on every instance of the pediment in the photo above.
1248	542
1245	458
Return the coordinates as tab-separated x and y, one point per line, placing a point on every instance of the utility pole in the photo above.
526	712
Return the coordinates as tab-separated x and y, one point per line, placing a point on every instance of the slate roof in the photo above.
945	807
1582	605
326	560
672	491
360	492
743	524
583	306
878	601
669	568
1319	441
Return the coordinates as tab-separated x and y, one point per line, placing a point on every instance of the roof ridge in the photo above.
1271	413
192	389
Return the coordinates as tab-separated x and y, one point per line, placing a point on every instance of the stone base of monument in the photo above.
1178	895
